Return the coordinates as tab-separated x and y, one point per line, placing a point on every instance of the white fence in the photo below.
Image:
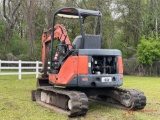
19	66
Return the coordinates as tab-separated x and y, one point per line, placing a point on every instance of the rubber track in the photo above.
79	101
138	99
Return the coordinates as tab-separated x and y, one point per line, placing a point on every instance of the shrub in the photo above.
10	56
148	50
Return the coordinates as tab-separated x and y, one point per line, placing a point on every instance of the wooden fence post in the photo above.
20	70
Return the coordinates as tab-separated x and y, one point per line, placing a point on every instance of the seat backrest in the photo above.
92	42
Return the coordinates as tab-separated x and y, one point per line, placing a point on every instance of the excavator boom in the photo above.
60	34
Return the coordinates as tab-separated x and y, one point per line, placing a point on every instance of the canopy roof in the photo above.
75	12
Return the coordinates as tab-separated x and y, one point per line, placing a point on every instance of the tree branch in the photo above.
16	9
4	12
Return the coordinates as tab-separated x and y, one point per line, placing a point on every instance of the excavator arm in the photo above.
60	34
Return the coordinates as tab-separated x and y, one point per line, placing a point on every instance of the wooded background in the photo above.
133	26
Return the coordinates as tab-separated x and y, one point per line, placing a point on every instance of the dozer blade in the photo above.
72	103
128	99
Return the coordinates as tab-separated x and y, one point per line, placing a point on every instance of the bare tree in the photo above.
10	15
29	10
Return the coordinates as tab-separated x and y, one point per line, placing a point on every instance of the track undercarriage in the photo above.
72	103
128	99
75	102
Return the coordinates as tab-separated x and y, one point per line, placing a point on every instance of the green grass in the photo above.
16	104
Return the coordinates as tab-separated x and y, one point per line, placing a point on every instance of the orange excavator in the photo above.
81	71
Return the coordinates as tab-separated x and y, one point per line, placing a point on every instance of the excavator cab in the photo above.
82	41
